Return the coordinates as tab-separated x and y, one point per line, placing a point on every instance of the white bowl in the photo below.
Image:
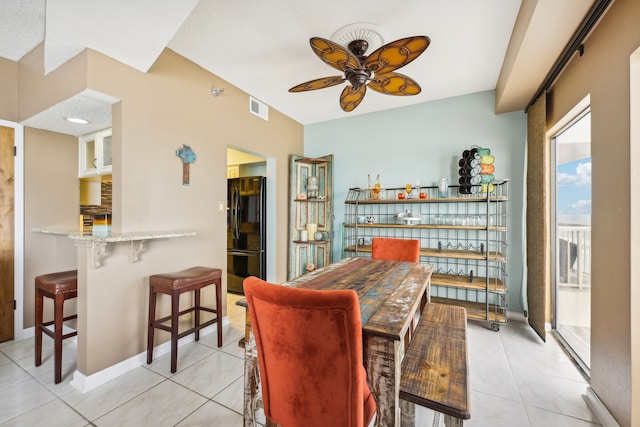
407	218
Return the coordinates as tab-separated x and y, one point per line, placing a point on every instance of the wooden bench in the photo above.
435	368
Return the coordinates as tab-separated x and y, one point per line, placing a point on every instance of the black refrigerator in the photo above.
246	231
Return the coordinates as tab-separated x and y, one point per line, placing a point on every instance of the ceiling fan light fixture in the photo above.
358	77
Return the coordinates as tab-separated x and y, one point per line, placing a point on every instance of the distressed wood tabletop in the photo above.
390	294
389	291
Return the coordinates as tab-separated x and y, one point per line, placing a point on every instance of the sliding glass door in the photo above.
571	148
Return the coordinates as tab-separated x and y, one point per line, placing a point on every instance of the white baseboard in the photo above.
601	411
84	383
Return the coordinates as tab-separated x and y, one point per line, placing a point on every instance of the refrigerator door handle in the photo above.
236	212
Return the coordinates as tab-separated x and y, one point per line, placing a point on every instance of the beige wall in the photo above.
37	92
603	72
51	174
158	112
8	89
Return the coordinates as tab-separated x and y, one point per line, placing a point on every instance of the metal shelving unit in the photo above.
463	236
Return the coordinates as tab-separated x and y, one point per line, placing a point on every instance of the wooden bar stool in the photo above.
175	284
59	287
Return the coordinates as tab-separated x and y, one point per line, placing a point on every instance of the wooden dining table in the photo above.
391	294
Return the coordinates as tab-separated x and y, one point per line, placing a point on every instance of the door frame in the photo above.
18	250
582	108
271	226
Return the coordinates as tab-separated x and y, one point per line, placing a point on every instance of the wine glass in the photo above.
408	188
376	191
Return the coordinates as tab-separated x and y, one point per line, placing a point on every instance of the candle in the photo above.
311	230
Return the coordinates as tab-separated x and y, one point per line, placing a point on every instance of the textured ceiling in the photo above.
263	47
270	53
90	105
132	31
21	27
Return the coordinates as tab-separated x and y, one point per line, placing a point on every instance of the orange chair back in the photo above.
390	249
309	346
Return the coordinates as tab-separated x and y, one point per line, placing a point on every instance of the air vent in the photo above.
258	108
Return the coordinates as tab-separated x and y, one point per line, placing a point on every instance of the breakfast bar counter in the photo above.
113	288
99	242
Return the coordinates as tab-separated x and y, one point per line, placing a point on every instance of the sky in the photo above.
574	187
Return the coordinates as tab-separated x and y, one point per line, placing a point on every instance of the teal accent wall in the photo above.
424	142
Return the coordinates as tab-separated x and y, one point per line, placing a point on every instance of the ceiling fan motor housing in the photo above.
358	48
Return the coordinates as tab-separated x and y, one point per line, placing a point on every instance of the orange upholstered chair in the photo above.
309	346
389	249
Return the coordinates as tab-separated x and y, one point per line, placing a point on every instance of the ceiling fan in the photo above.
375	71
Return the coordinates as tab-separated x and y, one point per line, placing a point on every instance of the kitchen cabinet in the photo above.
463	236
95	154
311	214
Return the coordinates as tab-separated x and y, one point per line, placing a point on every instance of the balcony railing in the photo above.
574	256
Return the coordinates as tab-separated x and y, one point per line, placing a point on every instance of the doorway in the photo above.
7	227
250	242
571	250
17	239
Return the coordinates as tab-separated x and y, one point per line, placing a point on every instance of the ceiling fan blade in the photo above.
334	54
397	54
351	97
394	84
318	84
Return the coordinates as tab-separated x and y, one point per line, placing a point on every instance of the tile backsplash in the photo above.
88	211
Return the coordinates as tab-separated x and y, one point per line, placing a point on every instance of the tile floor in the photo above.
516	380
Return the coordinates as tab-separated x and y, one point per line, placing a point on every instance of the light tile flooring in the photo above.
516	380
